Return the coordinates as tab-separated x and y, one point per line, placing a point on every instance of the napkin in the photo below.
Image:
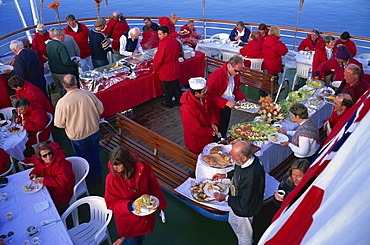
41	206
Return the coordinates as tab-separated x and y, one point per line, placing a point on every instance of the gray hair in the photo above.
58	32
52	30
173	15
69	81
133	30
246	150
190	21
328	38
240	23
355	69
235	60
16	45
21	102
274	31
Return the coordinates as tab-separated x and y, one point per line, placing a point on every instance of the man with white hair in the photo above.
130	42
197	118
26	65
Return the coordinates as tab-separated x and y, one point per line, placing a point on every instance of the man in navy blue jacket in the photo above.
240	32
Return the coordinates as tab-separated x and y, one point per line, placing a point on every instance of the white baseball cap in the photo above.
197	83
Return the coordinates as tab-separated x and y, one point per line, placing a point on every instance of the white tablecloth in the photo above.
228	47
25	207
15	144
305	57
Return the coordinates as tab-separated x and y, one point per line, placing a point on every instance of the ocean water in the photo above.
329	15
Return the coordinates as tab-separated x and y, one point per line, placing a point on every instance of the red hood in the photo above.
189	98
165	21
33	106
58	156
271	41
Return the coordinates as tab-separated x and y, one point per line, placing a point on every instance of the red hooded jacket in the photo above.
190	38
253	49
338	70
4	98
33	93
320	57
351	46
307	42
81	37
217	84
165	21
166	60
197	119
115	29
39	45
273	49
150	39
58	175
261	38
4	161
119	193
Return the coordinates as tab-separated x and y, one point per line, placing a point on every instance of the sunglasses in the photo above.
47	154
116	164
238	71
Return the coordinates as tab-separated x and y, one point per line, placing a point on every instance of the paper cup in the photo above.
281	194
9	216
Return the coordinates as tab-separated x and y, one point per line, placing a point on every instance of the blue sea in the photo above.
329	15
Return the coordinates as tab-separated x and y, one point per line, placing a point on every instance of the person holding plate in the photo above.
130	178
246	191
53	171
305	139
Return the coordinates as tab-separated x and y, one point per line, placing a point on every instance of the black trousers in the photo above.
225	119
171	88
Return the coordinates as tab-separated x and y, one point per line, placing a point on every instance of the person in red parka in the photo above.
263	32
323	54
115	28
33	119
224	89
4	98
198	120
273	49
345	40
191	37
150	38
166	63
53	171
29	91
4	161
80	34
38	42
253	49
129	178
170	23
312	42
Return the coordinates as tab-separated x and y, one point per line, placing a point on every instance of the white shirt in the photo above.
75	29
329	53
248	163
240	33
229	92
307	146
122	46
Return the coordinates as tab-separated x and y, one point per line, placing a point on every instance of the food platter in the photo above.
31	187
5	123
203	191
254	131
215	187
316	102
219	159
330	99
15	129
276	138
315	83
247	106
144	206
4	68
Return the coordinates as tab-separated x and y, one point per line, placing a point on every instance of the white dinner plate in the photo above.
280	138
3	68
211	188
336	84
33	188
8	122
148	211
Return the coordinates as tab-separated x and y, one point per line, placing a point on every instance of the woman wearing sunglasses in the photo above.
53	171
130	178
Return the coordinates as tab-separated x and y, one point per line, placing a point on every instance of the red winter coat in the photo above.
338	71
39	45
216	86
166	60
197	119
150	39
165	21
307	42
33	93
119	193
253	49
81	38
261	38
320	57
334	118
4	98
58	175
351	46
273	49
190	38
35	119
115	29
4	161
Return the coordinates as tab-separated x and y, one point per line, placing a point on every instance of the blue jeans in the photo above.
99	63
89	149
138	240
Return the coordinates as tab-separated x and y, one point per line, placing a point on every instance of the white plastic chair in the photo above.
47	125
256	64
303	71
227	55
210	52
11	167
289	62
365	56
95	231
7	112
221	36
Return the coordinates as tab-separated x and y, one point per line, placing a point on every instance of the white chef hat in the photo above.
197	83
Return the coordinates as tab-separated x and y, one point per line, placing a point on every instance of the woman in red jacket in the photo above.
53	171
253	49
273	49
130	178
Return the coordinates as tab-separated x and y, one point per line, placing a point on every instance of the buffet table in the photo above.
30	209
14	143
129	93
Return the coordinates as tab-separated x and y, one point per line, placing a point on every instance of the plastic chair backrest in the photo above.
8	171
256	64
289	57
221	36
303	70
47	125
227	55
7	112
81	169
365	56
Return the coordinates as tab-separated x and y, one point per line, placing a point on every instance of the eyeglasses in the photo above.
47	154
116	164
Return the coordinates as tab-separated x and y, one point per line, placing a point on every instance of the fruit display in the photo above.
252	131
